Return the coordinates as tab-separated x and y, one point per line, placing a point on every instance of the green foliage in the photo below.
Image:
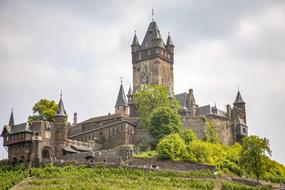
189	136
211	133
171	147
146	154
44	110
71	177
253	155
11	175
150	97
164	121
236	186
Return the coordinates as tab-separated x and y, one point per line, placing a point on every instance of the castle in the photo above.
112	137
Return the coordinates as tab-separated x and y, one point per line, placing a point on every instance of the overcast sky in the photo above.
83	48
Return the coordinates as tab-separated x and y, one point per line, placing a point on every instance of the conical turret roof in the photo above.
130	91
135	40
11	120
169	40
239	99
121	99
60	108
151	35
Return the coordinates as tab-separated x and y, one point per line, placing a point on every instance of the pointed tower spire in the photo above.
135	40
130	92
169	40
60	107
239	99
121	99
11	121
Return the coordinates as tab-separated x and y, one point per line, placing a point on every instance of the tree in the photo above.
189	136
211	133
148	98
164	121
253	155
171	147
44	110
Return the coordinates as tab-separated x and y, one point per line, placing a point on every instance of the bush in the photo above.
171	147
235	186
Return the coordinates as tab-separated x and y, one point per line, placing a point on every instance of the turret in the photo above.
239	111
135	45
60	129
169	45
130	95
121	103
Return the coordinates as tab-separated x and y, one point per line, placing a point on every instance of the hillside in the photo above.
101	177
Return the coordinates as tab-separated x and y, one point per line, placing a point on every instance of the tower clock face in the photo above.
144	73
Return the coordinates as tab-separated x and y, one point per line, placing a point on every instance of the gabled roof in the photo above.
182	98
239	99
151	35
23	127
121	99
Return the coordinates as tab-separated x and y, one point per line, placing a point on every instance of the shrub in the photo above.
171	147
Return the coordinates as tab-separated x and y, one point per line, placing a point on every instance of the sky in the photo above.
83	48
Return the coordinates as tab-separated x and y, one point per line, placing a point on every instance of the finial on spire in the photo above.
60	93
152	14
121	78
238	87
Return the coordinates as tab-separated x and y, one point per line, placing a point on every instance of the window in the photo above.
244	130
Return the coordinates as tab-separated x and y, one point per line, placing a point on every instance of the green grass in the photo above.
236	186
147	154
10	176
71	177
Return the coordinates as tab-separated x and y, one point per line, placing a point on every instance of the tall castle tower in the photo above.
60	129
153	60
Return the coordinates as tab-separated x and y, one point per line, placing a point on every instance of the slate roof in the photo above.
11	121
152	34
204	110
130	91
23	127
60	109
102	118
207	109
181	98
121	99
135	40
239	99
169	41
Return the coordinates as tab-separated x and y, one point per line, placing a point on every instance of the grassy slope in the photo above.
72	177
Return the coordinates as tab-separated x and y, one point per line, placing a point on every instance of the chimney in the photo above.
74	118
229	111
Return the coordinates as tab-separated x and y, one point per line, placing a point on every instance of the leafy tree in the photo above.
150	97
211	133
198	151
164	121
44	110
253	155
189	136
171	147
